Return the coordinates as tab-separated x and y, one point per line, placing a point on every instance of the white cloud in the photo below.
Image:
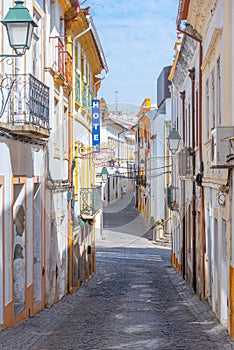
138	40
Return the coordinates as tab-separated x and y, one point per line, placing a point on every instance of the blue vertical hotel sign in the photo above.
96	124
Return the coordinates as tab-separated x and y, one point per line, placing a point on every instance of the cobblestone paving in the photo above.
135	301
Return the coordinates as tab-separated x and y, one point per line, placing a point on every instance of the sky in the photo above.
137	38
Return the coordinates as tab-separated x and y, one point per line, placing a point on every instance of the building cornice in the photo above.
65	4
82	23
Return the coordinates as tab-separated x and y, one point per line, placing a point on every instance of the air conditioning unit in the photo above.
220	146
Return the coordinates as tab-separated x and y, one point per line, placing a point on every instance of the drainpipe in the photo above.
182	96
91	27
70	170
78	36
193	154
97	82
200	150
70	223
184	246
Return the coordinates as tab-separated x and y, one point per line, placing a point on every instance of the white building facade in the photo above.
41	179
202	109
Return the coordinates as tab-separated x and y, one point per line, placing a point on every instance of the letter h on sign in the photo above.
96	124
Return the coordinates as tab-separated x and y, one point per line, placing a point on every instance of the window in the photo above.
57	118
85	68
207	97
52	15
82	63
41	4
196	119
79	56
36	45
212	99
189	126
57	129
188	226
61	29
218	93
186	128
65	130
90	79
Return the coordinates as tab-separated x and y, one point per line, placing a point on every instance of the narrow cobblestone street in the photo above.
135	300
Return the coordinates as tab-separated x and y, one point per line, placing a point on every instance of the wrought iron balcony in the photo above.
185	163
61	61
24	106
90	201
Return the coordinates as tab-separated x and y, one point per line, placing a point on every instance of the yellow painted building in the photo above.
143	134
89	68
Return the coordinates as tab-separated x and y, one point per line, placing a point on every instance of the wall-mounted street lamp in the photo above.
111	163
104	174
173	141
19	25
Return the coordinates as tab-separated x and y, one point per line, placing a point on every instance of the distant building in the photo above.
117	156
143	159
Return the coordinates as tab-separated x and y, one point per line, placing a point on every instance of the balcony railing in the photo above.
61	60
57	55
185	163
25	106
90	200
